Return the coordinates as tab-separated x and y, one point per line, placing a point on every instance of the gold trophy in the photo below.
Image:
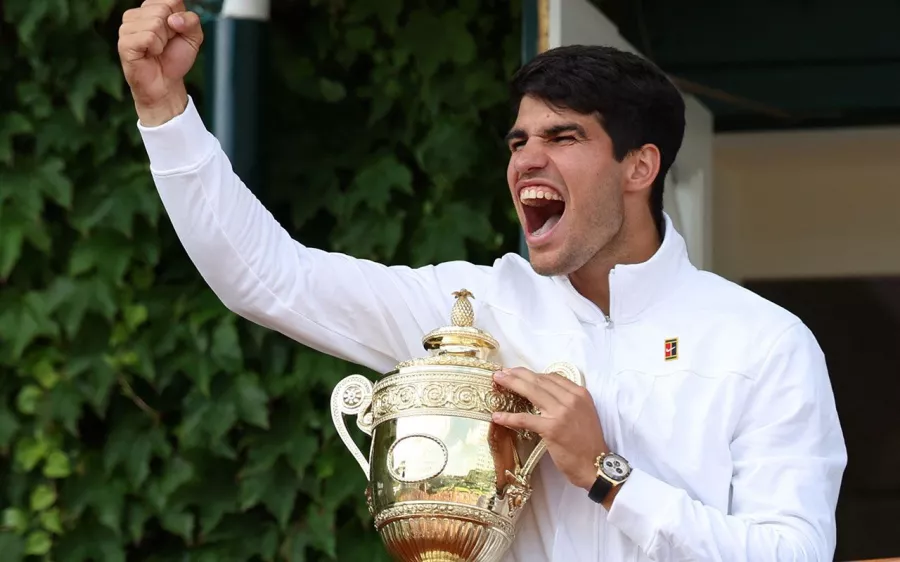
445	484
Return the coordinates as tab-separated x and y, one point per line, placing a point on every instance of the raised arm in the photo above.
349	308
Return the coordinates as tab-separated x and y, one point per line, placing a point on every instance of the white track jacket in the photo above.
734	437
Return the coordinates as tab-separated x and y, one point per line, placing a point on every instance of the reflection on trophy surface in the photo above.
445	484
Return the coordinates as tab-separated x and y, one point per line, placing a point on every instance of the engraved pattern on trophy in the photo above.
445	484
428	508
427	388
408	529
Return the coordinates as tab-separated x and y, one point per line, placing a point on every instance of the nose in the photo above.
530	157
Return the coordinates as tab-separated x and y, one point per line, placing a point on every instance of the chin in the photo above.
549	264
559	260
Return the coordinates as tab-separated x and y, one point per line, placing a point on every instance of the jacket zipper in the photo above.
603	547
633	553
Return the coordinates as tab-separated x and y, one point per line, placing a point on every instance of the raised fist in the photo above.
158	44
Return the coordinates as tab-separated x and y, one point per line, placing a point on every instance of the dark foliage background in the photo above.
139	419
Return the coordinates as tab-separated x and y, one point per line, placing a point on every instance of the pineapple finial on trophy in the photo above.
462	314
461	337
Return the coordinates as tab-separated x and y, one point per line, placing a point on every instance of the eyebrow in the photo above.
518	134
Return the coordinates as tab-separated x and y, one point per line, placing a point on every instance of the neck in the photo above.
636	242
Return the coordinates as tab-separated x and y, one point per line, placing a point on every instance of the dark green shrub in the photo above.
139	419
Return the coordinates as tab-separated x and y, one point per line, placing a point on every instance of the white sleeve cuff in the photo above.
640	508
179	144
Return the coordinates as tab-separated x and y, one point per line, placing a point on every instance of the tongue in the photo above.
551	222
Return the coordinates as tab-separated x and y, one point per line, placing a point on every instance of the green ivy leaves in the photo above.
29	531
139	418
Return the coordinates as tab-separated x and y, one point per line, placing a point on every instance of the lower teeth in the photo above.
550	223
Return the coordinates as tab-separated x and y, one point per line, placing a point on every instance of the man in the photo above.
708	409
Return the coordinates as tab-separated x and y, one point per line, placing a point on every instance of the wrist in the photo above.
163	111
591	470
587	480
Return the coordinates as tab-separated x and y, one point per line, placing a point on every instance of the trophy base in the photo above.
434	532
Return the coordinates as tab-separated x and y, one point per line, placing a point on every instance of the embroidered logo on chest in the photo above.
671	349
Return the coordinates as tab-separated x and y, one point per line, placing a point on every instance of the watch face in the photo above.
615	467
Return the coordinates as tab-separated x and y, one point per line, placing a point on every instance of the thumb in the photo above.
187	24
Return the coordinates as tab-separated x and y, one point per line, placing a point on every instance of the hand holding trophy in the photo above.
445	484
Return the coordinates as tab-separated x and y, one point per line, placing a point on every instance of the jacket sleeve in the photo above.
789	457
357	310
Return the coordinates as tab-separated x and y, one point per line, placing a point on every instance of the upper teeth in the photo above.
532	193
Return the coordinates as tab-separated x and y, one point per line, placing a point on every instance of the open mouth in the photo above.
543	208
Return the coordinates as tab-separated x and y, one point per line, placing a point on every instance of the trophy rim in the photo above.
444	360
435	339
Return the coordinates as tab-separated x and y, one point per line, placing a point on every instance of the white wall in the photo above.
580	22
807	204
247	9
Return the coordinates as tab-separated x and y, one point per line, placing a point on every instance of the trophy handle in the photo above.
353	395
570	372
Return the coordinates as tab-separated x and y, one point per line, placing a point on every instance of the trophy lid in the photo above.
460	342
461	337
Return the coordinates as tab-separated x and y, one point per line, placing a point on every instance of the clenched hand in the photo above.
158	45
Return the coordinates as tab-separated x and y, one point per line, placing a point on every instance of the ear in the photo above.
642	168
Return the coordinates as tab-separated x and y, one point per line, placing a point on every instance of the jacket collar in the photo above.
634	288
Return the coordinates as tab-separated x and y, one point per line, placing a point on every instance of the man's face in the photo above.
566	186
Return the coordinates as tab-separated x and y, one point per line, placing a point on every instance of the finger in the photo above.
526	384
188	25
132	14
157	26
552	384
154	8
151	17
562	383
138	45
522	382
150	10
174	6
520	421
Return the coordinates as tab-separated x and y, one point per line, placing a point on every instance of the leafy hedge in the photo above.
139	419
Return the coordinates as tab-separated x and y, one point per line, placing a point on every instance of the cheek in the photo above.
588	180
511	175
580	179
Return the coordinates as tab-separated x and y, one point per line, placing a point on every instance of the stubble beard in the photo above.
566	261
598	237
